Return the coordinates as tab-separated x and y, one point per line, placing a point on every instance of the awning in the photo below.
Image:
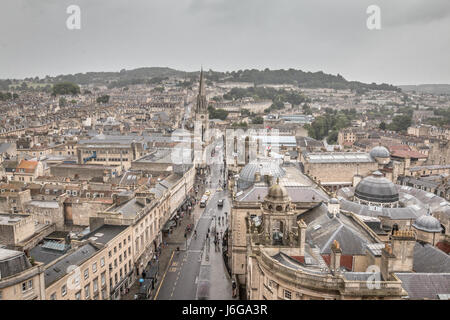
169	224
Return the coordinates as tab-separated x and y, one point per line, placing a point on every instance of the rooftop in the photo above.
105	233
62	267
338	157
425	285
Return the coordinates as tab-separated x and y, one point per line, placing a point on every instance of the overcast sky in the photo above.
412	47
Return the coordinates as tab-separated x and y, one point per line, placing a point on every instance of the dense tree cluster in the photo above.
442	117
258	120
64	88
305	80
156	75
103	99
278	97
400	123
217	113
328	125
8	96
239	125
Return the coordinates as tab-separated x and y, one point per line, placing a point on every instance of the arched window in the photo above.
394	228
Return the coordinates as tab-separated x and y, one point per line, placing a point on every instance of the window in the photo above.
121	274
115	278
86	273
110	266
120	258
124	241
104	297
125	269
115	249
287	294
129	250
27	285
120	245
95	285
63	290
129	238
87	292
102	262
125	254
94	267
78	295
103	279
115	263
109	254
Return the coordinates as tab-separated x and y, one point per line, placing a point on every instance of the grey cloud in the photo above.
312	35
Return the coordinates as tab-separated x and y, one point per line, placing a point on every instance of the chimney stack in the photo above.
336	252
301	236
398	256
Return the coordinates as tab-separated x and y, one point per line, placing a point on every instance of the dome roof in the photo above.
334	201
380	152
376	188
427	223
263	167
277	193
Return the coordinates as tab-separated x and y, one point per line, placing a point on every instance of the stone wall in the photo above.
338	172
82	210
11	234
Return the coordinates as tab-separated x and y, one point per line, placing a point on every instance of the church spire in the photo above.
201	98
201	90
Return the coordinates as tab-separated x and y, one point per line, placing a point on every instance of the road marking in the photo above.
162	280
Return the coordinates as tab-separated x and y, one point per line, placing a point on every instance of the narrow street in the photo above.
198	271
200	263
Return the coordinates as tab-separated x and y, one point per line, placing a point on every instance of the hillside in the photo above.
155	75
427	88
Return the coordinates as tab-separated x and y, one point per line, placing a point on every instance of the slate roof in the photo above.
12	262
425	285
76	258
393	213
322	230
429	259
296	193
46	255
130	208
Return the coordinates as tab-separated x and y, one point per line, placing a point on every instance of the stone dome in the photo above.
376	188
334	201
427	223
278	193
380	152
261	166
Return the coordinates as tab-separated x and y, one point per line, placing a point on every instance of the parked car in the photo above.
220	203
